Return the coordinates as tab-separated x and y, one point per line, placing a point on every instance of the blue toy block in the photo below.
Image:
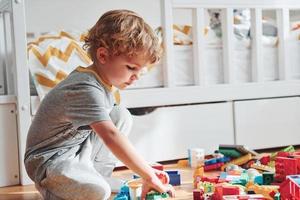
223	175
123	194
210	161
258	180
174	177
121	197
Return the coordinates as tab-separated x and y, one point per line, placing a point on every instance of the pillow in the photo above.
53	56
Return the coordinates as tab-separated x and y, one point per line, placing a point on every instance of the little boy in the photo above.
79	126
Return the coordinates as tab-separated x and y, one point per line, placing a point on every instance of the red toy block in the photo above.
286	166
283	154
290	188
296	154
198	194
213	166
210	179
244	197
157	166
221	190
231	190
265	160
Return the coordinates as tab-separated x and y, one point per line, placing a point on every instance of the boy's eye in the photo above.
130	68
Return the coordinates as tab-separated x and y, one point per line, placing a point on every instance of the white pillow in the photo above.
52	57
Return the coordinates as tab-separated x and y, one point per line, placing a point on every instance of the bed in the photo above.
207	75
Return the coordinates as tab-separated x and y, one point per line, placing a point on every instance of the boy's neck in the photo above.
98	70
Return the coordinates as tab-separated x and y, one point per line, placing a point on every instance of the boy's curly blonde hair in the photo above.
123	32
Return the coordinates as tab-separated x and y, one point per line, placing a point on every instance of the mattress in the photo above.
213	65
52	69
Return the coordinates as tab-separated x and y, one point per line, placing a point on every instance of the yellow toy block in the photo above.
238	161
263	167
265	190
182	163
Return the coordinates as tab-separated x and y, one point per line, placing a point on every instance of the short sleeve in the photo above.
86	103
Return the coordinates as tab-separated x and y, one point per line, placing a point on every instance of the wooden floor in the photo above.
29	192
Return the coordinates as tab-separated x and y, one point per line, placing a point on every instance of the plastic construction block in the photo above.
286	166
197	176
259	180
240	148
265	160
216	160
290	188
262	167
265	190
157	166
213	179
244	197
268	178
121	197
239	180
174	177
233	153
123	194
183	163
287	149
156	196
210	161
238	161
198	194
213	166
277	196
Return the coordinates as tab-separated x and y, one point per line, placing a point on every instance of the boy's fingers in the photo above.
171	191
145	190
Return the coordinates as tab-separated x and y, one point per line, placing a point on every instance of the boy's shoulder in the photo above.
81	77
81	73
90	73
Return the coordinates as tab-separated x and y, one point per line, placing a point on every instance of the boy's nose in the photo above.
135	77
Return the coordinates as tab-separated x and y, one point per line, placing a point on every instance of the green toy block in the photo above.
286	149
233	153
277	196
156	196
268	178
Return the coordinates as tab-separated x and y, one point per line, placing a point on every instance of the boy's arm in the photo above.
123	149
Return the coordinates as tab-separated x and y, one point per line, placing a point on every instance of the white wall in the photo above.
44	15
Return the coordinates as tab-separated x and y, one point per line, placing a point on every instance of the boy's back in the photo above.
66	112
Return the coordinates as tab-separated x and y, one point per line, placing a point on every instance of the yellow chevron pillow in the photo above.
52	57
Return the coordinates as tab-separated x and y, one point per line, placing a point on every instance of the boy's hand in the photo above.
162	176
158	183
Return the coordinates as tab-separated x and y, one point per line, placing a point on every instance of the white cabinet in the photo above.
268	123
167	132
9	160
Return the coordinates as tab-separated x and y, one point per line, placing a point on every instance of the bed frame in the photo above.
13	27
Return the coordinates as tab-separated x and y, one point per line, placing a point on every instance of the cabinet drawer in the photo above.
268	123
167	132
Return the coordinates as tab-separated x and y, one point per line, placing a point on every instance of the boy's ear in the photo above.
102	55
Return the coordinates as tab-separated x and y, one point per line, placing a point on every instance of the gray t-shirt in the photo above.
62	121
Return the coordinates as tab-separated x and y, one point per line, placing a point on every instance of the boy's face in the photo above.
121	71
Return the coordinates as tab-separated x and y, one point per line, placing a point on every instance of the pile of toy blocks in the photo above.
249	175
131	190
